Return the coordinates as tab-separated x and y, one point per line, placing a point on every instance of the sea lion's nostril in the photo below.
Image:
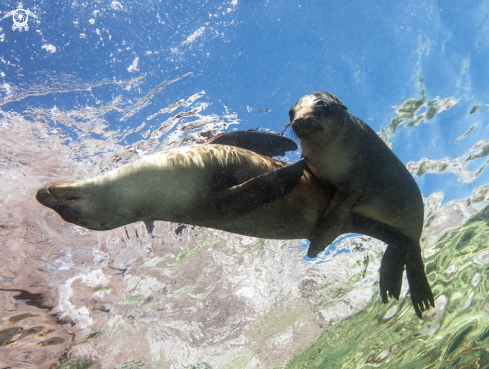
298	122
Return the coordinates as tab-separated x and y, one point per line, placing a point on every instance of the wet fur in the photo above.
203	185
374	194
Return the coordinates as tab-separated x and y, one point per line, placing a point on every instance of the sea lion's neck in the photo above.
326	163
327	157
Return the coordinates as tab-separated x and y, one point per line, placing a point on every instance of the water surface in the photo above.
93	85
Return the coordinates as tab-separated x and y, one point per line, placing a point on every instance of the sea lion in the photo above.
266	144
214	185
374	194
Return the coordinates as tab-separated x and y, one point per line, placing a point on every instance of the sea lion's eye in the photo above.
321	103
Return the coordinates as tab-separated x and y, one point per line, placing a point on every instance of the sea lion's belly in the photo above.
394	206
219	167
291	217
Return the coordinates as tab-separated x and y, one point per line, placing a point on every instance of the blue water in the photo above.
87	72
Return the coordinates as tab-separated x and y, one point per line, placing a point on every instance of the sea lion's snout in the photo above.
306	125
56	194
306	118
63	199
45	198
56	198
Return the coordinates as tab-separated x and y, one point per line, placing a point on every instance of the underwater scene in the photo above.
176	193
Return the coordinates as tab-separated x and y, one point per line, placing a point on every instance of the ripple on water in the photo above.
481	258
455	329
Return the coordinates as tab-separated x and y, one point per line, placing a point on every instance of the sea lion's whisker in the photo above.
285	128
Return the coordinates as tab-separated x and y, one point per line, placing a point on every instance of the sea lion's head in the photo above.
88	206
318	114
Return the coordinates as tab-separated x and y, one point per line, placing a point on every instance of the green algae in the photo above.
209	243
134	299
101	288
77	364
104	330
484	152
266	327
156	261
430	220
202	365
182	292
423	168
459	339
91	336
142	363
454	335
467	132
409	112
474	109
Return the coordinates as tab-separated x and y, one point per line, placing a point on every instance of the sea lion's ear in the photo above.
267	144
264	189
335	99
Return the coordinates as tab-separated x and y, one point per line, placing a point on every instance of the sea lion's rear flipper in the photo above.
391	268
267	188
420	290
401	251
267	144
393	261
406	252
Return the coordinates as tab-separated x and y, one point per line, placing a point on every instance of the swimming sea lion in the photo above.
267	144
374	194
213	185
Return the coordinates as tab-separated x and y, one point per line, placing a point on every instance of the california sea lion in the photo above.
267	144
374	194
214	185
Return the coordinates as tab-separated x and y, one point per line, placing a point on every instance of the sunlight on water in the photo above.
241	299
453	334
102	84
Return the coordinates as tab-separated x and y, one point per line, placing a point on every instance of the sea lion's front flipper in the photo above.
260	190
332	223
326	230
267	144
321	237
150	225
